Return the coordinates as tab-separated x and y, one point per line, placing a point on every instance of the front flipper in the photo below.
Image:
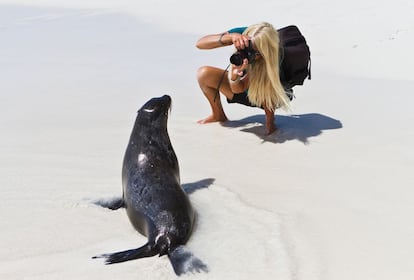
112	203
184	261
123	256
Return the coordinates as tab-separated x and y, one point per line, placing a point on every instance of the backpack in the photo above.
295	57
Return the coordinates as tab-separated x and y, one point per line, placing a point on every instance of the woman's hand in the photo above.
240	41
238	71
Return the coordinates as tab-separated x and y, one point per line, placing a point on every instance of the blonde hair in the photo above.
265	88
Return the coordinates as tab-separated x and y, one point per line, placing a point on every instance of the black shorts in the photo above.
241	98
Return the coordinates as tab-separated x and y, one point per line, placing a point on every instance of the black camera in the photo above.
238	57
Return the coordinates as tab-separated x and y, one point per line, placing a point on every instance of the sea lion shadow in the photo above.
190	188
292	127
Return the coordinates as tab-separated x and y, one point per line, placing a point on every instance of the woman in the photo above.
256	83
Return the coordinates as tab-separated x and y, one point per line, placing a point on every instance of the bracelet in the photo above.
221	37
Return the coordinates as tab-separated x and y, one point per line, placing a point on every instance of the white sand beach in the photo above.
329	196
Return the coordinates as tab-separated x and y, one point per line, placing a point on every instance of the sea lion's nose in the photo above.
166	96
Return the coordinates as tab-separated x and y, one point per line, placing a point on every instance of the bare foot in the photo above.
211	119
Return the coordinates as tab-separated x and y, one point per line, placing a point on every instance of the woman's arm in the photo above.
212	41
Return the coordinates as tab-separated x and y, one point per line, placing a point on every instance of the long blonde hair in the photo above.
265	88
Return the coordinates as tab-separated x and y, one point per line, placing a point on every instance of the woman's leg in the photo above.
270	121
209	78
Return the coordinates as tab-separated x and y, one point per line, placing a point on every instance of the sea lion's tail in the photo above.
184	261
123	256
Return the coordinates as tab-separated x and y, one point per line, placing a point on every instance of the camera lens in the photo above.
236	59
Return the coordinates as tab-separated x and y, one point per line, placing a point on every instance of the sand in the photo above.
329	196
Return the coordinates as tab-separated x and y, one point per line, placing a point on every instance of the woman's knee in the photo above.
203	73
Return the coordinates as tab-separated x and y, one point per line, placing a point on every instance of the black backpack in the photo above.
295	57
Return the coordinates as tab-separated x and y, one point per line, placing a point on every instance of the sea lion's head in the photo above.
155	111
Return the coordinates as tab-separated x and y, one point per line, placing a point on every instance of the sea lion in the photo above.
156	204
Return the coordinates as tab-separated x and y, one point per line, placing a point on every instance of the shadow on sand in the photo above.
189	188
294	127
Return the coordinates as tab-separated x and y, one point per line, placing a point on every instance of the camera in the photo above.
238	57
